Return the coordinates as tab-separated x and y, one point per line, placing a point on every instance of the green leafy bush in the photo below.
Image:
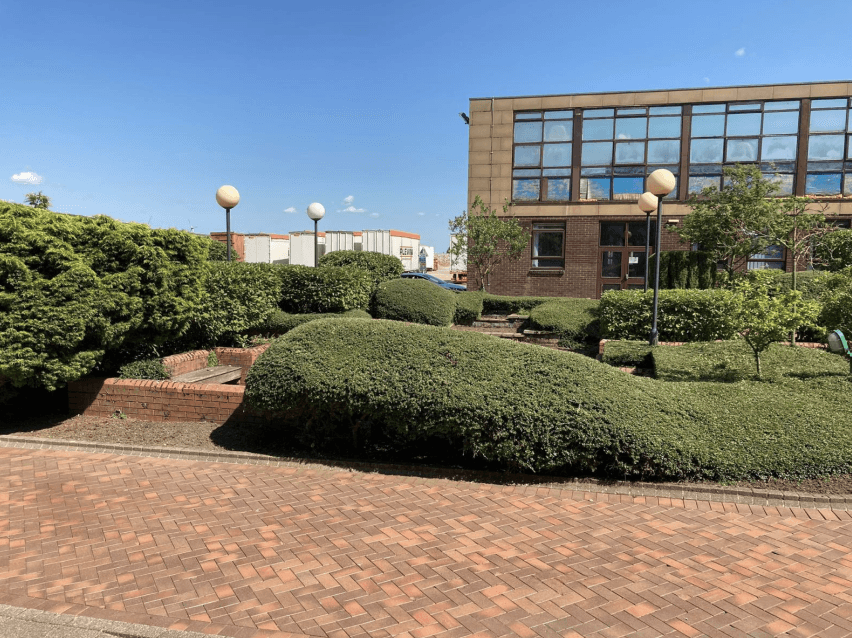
506	305
685	269
547	411
628	354
324	289
575	321
382	267
468	307
414	300
144	369
834	251
683	315
836	311
73	289
218	251
280	322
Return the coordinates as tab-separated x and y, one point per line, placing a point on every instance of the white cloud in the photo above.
292	209
374	214
349	199
740	52
706	80
352	209
27	177
420	214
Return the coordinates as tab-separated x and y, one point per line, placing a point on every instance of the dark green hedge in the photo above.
546	411
685	269
683	315
73	288
280	322
382	267
506	305
144	369
468	307
324	289
628	354
414	300
575	321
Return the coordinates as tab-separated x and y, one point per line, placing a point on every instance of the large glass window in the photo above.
548	245
829	150
765	134
542	159
772	258
621	146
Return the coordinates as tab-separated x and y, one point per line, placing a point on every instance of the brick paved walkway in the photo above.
244	550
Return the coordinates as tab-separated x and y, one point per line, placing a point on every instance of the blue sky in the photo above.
141	110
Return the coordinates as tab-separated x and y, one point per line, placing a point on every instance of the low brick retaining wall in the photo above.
178	364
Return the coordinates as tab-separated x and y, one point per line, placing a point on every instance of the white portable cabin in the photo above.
429	253
302	247
339	240
403	246
263	248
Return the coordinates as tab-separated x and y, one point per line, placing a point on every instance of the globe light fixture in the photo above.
227	197
660	183
647	204
316	212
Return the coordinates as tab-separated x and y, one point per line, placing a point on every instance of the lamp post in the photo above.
227	197
316	212
647	204
660	183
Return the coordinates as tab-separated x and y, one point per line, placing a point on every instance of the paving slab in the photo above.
175	545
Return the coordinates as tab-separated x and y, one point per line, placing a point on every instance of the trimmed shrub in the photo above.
627	354
468	307
414	300
834	251
575	321
144	369
685	269
381	267
280	322
836	312
324	289
505	305
73	288
543	410
683	315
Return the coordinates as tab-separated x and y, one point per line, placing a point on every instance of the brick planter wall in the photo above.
243	357
186	362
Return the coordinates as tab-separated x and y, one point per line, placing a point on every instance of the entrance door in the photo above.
622	251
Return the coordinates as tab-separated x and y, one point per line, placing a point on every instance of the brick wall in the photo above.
160	400
244	357
178	364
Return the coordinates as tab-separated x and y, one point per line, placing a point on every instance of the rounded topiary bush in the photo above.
414	300
575	321
381	267
280	322
468	306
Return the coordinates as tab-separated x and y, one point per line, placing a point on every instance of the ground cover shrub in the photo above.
144	369
324	289
280	322
468	307
507	305
628	354
575	321
683	315
546	411
414	300
75	289
381	267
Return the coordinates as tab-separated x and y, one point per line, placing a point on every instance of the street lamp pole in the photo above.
316	212
661	182
227	197
648	204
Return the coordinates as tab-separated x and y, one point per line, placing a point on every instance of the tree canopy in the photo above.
38	200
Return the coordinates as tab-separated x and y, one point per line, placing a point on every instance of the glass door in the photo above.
622	251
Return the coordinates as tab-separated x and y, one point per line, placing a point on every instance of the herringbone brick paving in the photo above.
242	550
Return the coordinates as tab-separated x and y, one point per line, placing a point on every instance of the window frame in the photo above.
538	227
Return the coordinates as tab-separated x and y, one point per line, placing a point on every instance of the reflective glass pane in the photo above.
778	106
526	172
829	104
627	188
783	122
527	132
743	124
823	184
770	252
698	183
744	107
637	171
527	155
766	265
556	155
594	188
631	128
706	151
742	150
528	116
825	147
636	264
556	172
547	244
597	113
558	190
708	125
707	169
558	131
636	233
597	129
777	167
636	111
612	233
630	153
663	151
828	121
558	115
708	108
611	263
785	182
525	189
592	172
665	110
597	153
849	146
664	127
779	148
825	167
847	185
